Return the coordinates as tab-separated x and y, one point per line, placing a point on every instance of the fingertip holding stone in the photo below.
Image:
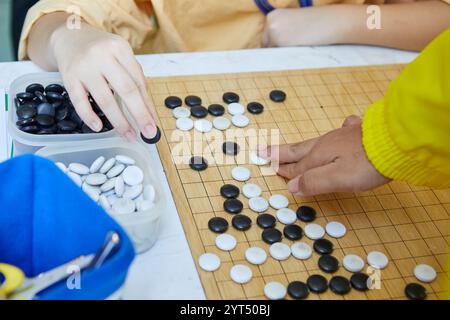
155	139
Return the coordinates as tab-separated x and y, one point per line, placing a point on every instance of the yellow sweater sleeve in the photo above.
121	17
406	135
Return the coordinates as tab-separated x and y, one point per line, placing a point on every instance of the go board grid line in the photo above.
405	197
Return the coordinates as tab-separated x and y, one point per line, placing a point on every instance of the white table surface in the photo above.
167	271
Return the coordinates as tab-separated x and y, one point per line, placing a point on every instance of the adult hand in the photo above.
93	61
334	162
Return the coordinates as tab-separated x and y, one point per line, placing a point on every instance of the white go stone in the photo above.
255	159
221	123
251	190
133	192
97	164
203	125
149	193
109	193
278	201
112	199
258	204
133	175
301	251
108	185
286	216
75	178
125	160
314	231
353	263
115	171
275	290
93	195
425	273
181	112
256	255
236	108
119	186
241	274
226	242
280	251
62	167
103	200
240	174
107	165
209	262
144	205
124	206
335	229
240	121
96	179
90	189
185	124
377	260
79	168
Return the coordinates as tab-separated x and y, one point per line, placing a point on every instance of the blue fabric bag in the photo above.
46	221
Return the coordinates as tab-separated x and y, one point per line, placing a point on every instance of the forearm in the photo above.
39	43
409	26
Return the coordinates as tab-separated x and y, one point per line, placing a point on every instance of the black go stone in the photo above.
230	97
293	232
317	283
198	163
45	121
218	225
35	87
359	281
26	112
255	108
230	148
54	97
54	87
415	291
173	102
298	290
199	112
67	126
193	101
62	113
153	140
340	285
229	191
30	129
216	110
271	236
46	108
51	130
25	96
26	122
306	214
233	206
328	263
241	222
323	246
266	221
277	96
40	96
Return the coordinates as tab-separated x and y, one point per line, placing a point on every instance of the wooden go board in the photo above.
409	224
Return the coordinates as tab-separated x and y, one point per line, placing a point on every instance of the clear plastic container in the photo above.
30	143
142	227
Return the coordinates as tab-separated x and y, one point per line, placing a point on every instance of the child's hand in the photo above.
93	61
334	162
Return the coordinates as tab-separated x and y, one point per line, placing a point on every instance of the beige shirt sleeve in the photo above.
121	17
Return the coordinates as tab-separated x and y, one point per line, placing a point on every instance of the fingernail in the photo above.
96	126
130	135
293	186
149	132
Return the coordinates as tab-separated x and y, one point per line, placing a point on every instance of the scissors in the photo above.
17	287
